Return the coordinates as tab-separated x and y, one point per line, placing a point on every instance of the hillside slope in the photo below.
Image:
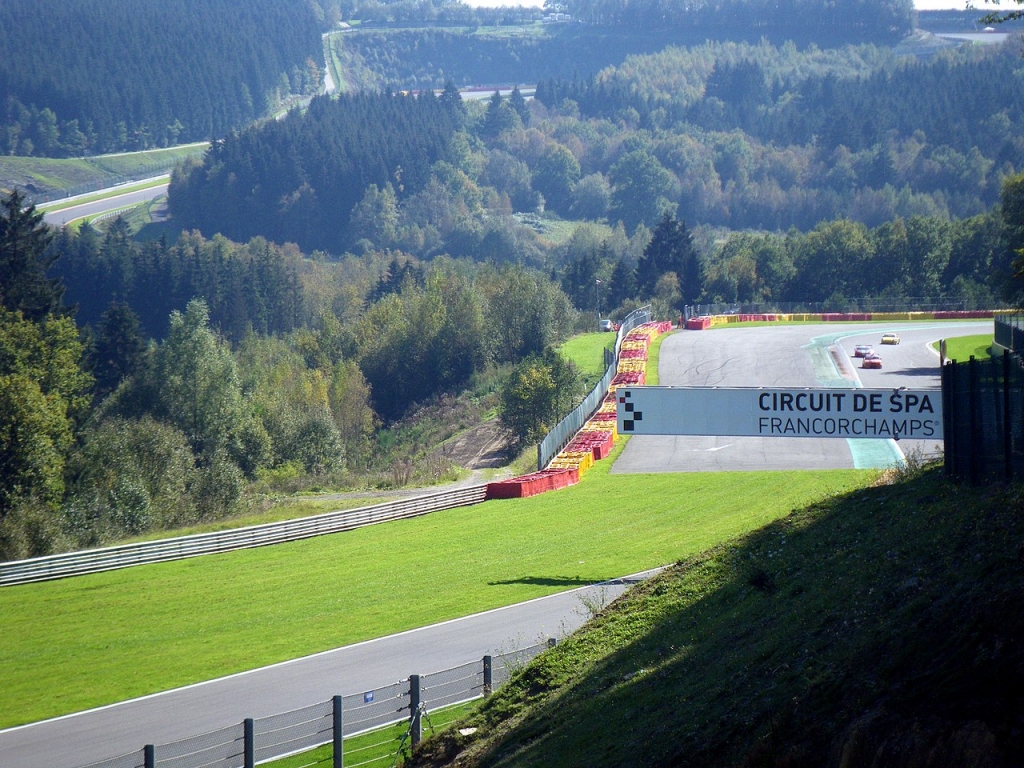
880	628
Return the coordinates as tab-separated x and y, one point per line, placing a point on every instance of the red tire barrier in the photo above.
532	484
600	444
629	379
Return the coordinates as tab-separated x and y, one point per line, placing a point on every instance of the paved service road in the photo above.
77	740
790	356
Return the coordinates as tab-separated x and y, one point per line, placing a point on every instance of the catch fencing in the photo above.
257	740
909	304
1009	332
125	555
983	418
566	429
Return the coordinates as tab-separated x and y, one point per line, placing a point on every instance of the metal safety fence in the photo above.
1009	332
566	429
983	419
258	740
125	555
874	304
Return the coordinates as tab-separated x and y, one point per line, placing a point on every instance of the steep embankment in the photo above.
883	627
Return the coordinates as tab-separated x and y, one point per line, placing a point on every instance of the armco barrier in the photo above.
125	555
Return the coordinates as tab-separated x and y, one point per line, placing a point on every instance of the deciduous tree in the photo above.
43	390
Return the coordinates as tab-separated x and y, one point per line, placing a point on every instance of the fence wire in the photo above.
983	411
372	709
907	304
135	759
293	731
452	686
224	748
507	664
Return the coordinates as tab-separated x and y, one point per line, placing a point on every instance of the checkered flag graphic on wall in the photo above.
632	417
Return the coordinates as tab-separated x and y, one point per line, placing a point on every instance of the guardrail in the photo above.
126	555
563	431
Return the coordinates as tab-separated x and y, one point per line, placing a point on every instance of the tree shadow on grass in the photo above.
551	581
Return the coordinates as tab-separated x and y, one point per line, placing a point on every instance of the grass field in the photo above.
961	348
586	350
83	642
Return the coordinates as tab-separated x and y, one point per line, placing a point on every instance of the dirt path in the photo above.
481	449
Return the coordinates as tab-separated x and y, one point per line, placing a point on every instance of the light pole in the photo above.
597	297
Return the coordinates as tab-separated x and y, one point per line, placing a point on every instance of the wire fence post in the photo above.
950	425
415	719
337	732
149	756
976	461
249	740
1007	419
488	676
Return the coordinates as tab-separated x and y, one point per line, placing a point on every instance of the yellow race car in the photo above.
890	338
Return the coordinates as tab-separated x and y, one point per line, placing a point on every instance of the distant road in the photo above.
58	218
789	356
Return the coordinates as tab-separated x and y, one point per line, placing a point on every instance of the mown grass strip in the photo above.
378	748
83	642
587	351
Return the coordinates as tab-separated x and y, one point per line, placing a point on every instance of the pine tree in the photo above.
25	260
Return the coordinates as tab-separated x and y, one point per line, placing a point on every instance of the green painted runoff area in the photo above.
84	642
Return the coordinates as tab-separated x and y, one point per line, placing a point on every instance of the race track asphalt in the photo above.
790	356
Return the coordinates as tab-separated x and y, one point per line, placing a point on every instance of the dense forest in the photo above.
724	137
298	178
82	77
407	44
803	21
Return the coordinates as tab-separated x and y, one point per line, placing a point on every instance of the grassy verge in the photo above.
60	205
587	351
879	623
378	747
83	642
962	348
58	177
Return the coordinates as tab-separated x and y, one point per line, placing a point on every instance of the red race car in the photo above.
863	350
872	360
